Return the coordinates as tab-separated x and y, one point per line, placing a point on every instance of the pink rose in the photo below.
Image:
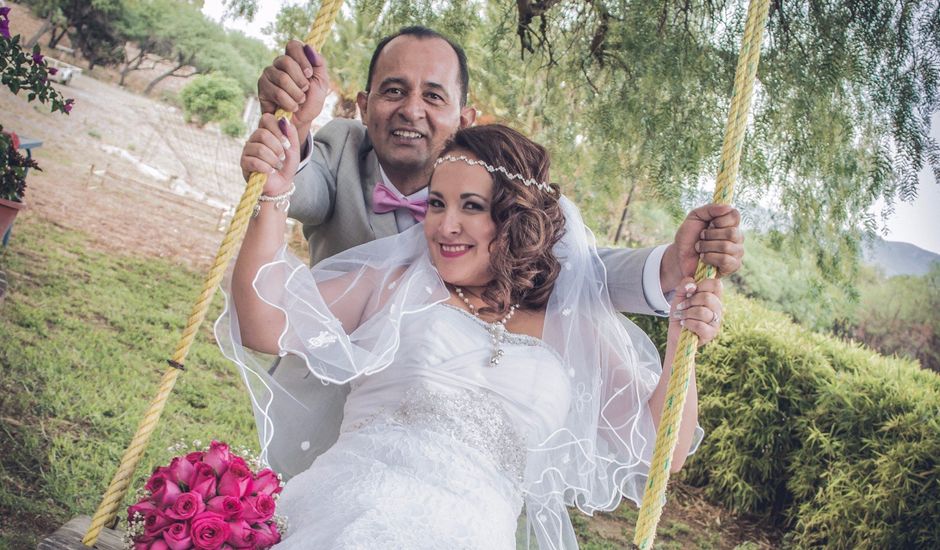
155	522
158	544
218	456
228	507
177	536
142	545
257	509
209	531
204	481
181	471
266	535
141	507
236	481
195	456
266	482
186	506
164	491
241	535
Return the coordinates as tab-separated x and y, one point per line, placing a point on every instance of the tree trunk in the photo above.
54	39
171	72
127	66
623	216
46	25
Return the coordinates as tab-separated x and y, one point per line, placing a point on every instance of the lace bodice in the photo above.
442	376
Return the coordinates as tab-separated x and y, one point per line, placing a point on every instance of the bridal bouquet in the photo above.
206	500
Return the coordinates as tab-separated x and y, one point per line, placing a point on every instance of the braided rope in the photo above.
655	495
236	232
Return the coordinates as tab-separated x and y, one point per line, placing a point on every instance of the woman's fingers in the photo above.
697	307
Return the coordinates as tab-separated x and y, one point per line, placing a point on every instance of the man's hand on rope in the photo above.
272	149
709	232
697	307
297	82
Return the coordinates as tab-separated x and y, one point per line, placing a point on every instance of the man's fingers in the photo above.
725	263
730	219
731	234
711	212
290	76
296	51
283	84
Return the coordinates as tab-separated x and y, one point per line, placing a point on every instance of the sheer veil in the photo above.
343	319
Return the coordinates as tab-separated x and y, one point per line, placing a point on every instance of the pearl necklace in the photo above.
497	330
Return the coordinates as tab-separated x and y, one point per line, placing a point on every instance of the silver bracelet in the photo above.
281	202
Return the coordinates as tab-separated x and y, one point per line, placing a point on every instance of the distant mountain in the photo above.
897	258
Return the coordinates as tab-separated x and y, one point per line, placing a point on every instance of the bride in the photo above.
462	374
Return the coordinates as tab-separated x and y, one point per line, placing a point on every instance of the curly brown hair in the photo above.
529	221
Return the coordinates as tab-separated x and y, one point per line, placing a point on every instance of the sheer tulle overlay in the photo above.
396	432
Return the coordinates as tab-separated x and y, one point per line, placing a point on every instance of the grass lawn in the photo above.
84	338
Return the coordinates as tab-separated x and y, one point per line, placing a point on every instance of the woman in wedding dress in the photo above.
462	374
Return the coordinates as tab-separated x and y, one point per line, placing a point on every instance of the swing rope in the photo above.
106	513
655	495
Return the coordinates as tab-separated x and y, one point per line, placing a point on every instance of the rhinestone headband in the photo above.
490	168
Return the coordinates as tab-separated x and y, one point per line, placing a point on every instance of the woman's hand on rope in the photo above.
272	149
297	82
697	307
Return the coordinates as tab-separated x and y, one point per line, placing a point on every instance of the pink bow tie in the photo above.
384	200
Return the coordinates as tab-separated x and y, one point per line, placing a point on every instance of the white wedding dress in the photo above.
431	452
394	431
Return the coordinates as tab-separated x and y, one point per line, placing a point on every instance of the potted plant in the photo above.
21	71
13	168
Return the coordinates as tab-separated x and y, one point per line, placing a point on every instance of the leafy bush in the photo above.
900	315
829	439
212	98
233	127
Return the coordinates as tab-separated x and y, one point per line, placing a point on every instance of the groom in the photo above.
361	181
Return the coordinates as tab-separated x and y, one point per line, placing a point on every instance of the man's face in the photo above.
414	103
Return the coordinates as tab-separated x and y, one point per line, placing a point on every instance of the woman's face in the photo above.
459	225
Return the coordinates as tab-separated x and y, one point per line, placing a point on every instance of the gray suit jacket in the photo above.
333	201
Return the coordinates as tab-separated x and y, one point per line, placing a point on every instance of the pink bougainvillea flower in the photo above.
5	22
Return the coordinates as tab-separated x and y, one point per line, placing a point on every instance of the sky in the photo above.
917	222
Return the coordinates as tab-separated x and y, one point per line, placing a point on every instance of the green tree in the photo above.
900	315
213	98
632	99
90	25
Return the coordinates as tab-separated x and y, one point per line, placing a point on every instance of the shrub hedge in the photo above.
838	444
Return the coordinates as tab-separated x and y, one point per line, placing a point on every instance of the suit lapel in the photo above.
383	225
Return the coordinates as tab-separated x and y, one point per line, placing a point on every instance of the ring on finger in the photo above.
716	319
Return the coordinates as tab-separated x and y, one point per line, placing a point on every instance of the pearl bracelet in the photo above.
281	202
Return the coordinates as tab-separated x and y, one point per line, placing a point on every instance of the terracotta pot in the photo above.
8	211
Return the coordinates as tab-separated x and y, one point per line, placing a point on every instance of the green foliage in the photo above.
792	283
233	127
836	442
292	22
212	98
13	168
900	315
632	99
28	71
